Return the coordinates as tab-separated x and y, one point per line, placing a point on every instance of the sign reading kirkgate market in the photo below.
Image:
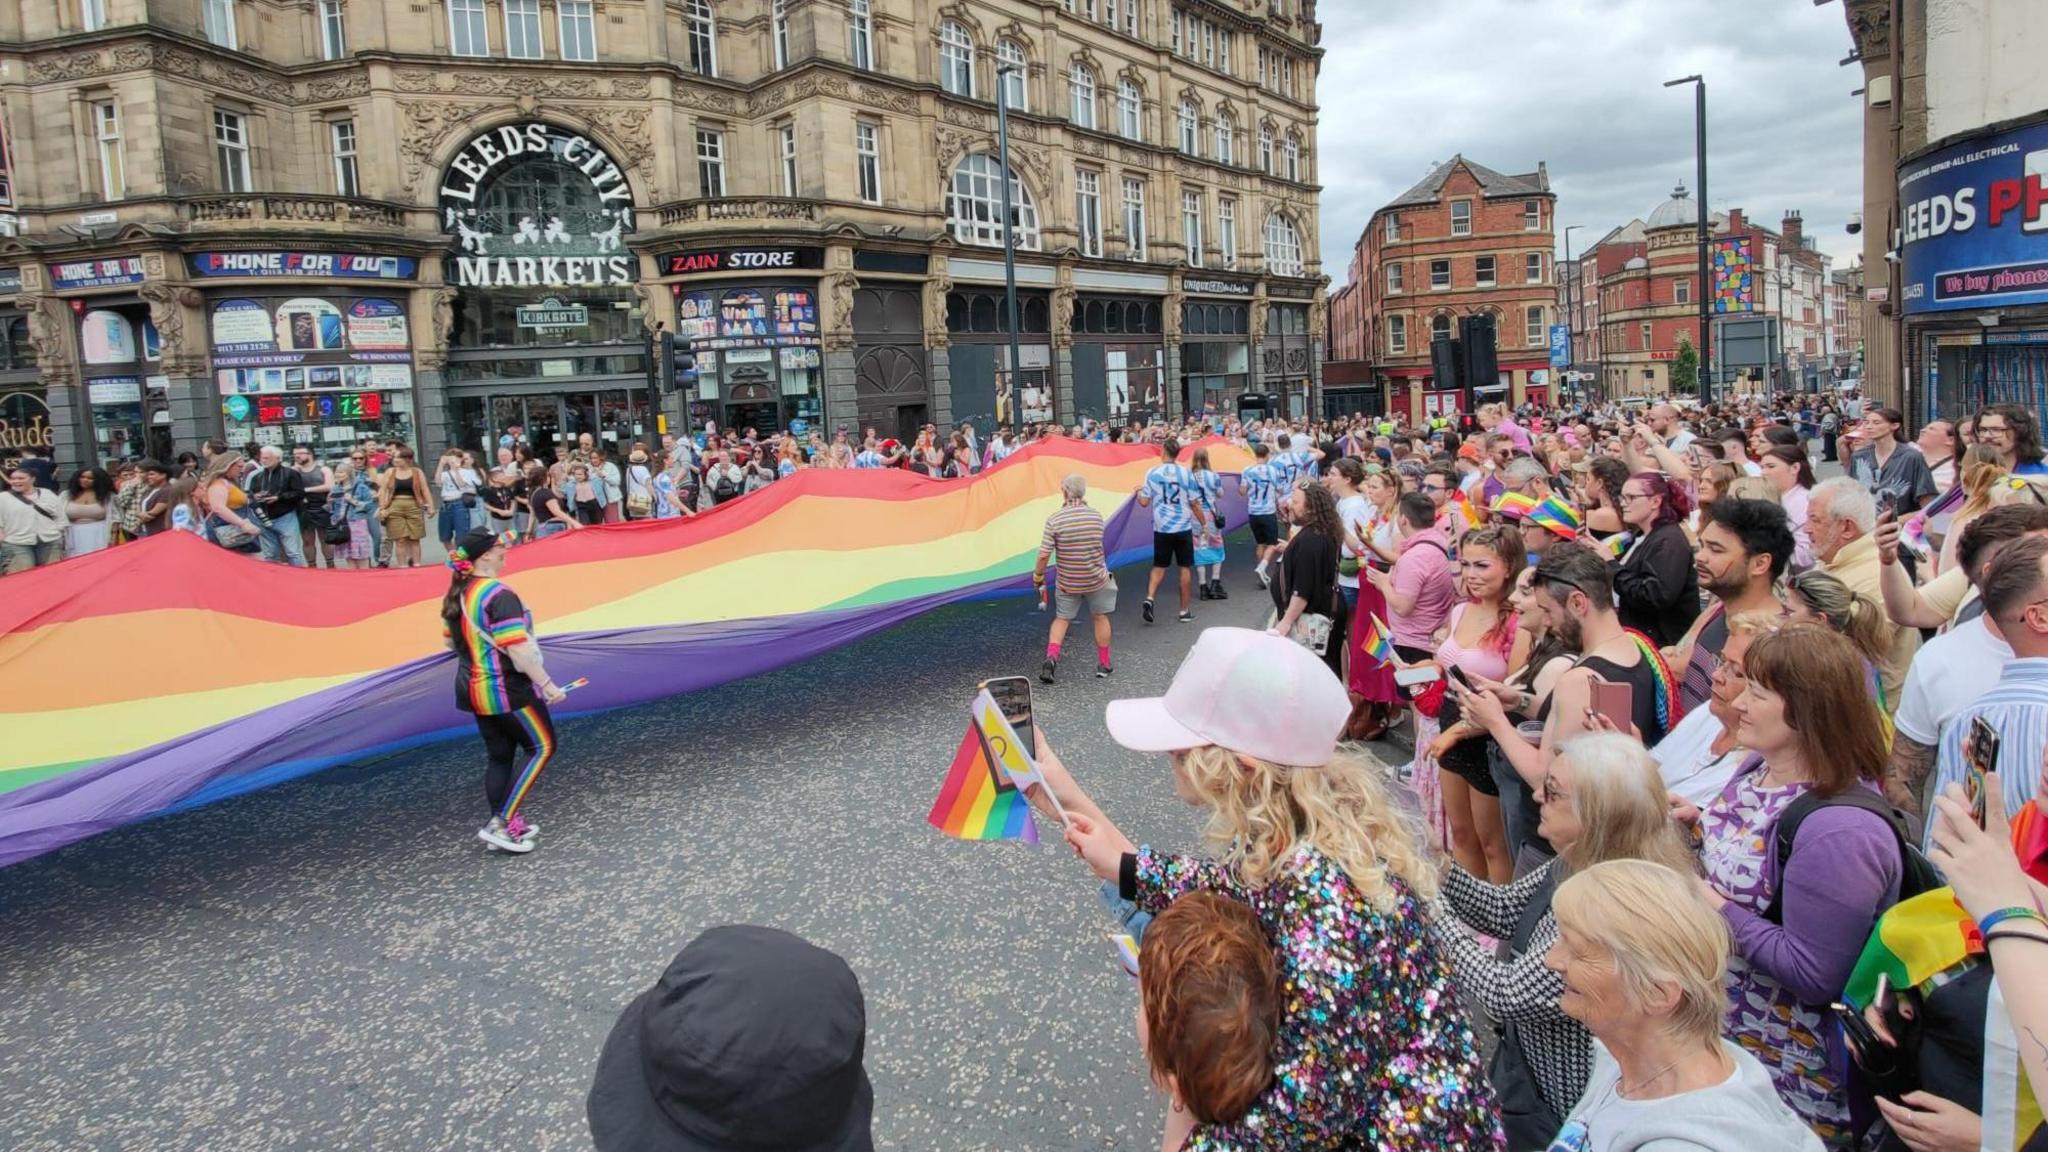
533	205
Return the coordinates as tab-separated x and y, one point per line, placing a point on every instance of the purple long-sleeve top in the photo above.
1844	868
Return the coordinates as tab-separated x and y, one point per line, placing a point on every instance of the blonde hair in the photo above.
1658	930
1750	488
1754	623
1980	471
1261	814
1624	813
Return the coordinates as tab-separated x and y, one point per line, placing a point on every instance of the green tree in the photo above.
1685	370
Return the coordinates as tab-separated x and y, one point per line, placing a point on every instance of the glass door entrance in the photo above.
612	419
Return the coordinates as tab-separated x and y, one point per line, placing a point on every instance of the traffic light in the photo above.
678	364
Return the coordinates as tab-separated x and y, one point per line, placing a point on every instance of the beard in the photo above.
1727	586
1571	632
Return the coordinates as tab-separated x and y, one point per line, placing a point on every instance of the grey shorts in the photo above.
1101	602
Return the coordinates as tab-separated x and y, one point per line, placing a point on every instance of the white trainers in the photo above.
496	835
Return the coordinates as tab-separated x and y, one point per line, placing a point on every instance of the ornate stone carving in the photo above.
627	127
631	87
153	265
936	287
48	322
884	98
1176	300
1063	316
168	304
973	118
839	289
337	87
69	66
949	144
423	124
1870	26
1260	306
1036	163
707	100
443	304
1089	146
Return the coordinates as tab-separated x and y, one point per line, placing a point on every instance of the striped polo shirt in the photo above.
1074	535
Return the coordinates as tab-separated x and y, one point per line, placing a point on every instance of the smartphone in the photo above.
1458	674
1413	674
1012	695
1887	504
1616	701
1980	756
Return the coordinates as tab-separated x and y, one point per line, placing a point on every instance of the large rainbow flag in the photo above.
167	674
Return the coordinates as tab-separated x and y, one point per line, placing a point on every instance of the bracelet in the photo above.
2017	912
2012	934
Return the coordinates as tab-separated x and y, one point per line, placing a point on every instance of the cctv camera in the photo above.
1855	223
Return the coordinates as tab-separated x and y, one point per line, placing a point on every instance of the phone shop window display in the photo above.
309	370
765	392
129	417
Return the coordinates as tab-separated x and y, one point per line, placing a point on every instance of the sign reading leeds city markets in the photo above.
517	237
1976	223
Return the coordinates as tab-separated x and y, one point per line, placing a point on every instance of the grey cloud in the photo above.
1579	84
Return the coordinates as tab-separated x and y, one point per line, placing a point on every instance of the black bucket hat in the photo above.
752	1039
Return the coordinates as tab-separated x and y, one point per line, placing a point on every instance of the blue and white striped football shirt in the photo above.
1170	487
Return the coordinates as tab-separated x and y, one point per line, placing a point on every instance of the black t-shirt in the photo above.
486	682
545	504
498	500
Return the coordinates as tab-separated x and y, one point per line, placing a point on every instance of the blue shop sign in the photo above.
337	265
96	273
1976	223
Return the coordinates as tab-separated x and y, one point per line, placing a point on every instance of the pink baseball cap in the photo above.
1244	690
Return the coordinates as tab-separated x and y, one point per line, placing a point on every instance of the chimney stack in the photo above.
1736	224
1794	230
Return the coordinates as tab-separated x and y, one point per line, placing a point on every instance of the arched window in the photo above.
703	38
1190	128
1010	55
1293	157
956	59
1440	325
976	208
1266	149
1130	110
1283	246
1082	84
1226	137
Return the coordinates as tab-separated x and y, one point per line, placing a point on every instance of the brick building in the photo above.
1466	240
433	219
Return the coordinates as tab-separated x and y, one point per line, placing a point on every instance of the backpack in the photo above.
1916	873
723	486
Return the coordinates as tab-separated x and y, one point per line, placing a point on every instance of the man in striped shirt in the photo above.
1074	534
2015	594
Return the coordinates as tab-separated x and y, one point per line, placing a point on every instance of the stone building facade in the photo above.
436	219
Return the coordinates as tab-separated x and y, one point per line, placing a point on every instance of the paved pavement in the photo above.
337	963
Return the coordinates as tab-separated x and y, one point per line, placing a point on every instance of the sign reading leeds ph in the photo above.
533	205
1976	223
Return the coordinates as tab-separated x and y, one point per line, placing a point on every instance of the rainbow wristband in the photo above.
2018	912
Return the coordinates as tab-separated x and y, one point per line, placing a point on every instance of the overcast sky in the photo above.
1579	84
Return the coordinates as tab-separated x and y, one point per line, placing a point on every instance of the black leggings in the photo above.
530	729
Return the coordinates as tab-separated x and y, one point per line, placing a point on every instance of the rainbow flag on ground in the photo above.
1378	640
978	802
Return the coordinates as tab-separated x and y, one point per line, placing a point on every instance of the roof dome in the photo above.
1635	262
1677	212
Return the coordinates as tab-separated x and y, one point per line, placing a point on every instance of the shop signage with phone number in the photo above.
327	408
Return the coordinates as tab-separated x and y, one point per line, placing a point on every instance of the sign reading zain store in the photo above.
536	206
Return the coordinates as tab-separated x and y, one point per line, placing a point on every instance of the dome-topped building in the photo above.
1680	211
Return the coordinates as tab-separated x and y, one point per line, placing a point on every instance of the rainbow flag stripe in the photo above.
1514	505
1473	518
280	671
1378	640
973	806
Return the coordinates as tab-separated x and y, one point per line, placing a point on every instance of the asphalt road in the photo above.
338	964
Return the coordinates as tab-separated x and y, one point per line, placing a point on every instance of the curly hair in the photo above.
1319	512
1211	994
1261	814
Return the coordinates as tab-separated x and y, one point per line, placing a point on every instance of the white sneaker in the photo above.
497	836
1265	581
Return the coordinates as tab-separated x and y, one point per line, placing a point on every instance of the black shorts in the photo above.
1173	548
1265	528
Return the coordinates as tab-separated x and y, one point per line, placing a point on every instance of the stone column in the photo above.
53	334
1176	303
1257	362
178	312
430	373
1063	299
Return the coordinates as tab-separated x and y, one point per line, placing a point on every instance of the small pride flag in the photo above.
977	802
1377	642
1472	517
1126	951
1514	505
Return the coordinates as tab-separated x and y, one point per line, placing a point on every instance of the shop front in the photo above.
984	389
310	348
24	410
1216	351
545	332
120	357
1973	272
750	316
1287	354
1119	359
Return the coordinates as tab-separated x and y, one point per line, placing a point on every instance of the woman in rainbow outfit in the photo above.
499	679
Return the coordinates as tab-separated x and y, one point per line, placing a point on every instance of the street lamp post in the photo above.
1705	296
1009	243
1571	312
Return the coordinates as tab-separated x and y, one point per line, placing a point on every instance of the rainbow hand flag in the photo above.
1473	519
978	802
1126	951
1378	640
1514	505
1616	545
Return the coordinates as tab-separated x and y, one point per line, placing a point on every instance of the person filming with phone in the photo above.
2015	594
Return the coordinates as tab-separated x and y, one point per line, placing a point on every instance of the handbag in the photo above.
1311	630
639	504
229	536
335	532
